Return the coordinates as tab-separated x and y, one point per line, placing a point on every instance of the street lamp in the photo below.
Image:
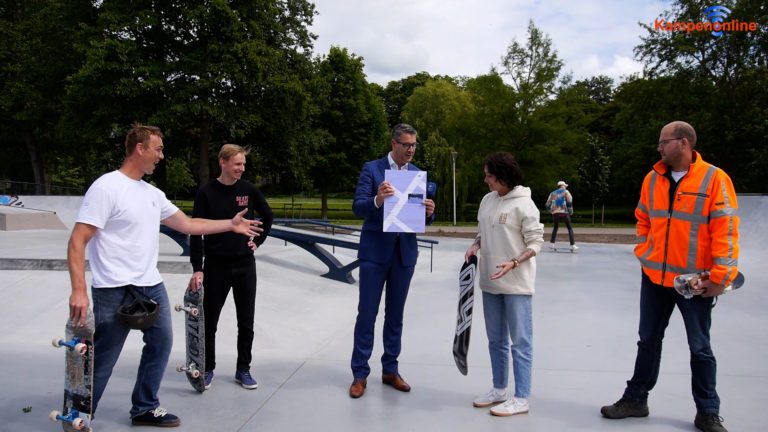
453	168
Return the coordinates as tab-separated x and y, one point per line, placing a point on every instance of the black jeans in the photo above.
218	279
567	219
656	306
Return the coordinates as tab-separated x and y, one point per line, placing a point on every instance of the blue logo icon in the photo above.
716	14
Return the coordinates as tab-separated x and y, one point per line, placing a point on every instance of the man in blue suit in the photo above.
384	257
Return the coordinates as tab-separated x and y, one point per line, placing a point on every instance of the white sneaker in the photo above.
511	407
493	397
574	248
551	246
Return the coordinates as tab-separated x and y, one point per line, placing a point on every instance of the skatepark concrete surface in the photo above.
585	329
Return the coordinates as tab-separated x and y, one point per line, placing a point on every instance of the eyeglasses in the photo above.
666	141
408	146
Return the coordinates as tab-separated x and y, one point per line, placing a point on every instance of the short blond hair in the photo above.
229	150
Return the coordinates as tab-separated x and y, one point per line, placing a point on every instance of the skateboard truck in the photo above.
76	344
192	369
73	418
190	310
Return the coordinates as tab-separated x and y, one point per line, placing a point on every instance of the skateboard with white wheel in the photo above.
194	328
686	284
78	378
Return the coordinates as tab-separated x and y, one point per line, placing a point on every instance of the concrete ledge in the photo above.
21	218
172	267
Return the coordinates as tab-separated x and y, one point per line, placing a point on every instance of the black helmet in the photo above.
140	314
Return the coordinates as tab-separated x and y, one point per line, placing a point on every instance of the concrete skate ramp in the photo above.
32	212
13	218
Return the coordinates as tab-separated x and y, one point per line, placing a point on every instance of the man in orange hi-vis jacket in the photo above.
686	222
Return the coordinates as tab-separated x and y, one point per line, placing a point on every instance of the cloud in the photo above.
398	38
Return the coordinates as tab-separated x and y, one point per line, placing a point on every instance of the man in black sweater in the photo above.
229	261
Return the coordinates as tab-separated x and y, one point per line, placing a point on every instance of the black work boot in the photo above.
709	423
625	408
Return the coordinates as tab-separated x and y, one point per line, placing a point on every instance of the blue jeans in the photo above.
509	316
656	306
110	337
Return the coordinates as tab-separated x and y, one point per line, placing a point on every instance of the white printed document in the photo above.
405	210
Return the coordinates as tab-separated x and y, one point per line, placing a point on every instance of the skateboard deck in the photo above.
685	283
561	248
194	327
78	377
464	316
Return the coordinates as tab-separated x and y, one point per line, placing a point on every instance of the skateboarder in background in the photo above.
118	222
686	222
510	235
229	261
560	204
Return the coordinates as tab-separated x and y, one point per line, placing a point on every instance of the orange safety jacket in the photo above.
699	232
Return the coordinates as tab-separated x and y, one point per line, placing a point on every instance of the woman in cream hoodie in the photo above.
510	235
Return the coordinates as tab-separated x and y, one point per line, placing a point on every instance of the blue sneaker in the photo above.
208	379
245	379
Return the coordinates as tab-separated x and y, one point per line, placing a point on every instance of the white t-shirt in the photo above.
127	213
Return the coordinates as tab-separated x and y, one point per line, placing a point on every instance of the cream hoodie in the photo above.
508	225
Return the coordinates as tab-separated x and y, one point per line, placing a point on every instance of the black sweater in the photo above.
215	200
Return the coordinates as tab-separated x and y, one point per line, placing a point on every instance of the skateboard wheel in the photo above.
194	311
178	308
54	415
78	424
55	342
81	349
179	368
195	374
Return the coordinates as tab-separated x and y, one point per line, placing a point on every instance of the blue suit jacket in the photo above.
376	245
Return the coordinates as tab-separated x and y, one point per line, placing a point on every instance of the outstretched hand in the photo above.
505	268
246	227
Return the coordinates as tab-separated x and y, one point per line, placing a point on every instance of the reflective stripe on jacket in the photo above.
700	232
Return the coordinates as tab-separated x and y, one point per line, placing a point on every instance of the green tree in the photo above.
350	123
395	95
201	69
594	174
36	58
534	69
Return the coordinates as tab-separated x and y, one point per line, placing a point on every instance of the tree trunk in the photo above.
602	216
204	140
324	204
38	170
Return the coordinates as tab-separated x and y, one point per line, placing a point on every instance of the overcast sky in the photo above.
398	38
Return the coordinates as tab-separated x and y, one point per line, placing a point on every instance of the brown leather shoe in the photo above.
357	388
396	381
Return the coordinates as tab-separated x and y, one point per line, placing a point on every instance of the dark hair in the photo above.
401	129
140	133
505	168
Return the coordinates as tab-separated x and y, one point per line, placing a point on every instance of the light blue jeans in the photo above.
109	339
510	317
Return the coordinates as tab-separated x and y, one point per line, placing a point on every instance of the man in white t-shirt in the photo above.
118	223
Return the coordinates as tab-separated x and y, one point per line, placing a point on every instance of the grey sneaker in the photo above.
709	423
511	407
245	379
625	408
493	397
